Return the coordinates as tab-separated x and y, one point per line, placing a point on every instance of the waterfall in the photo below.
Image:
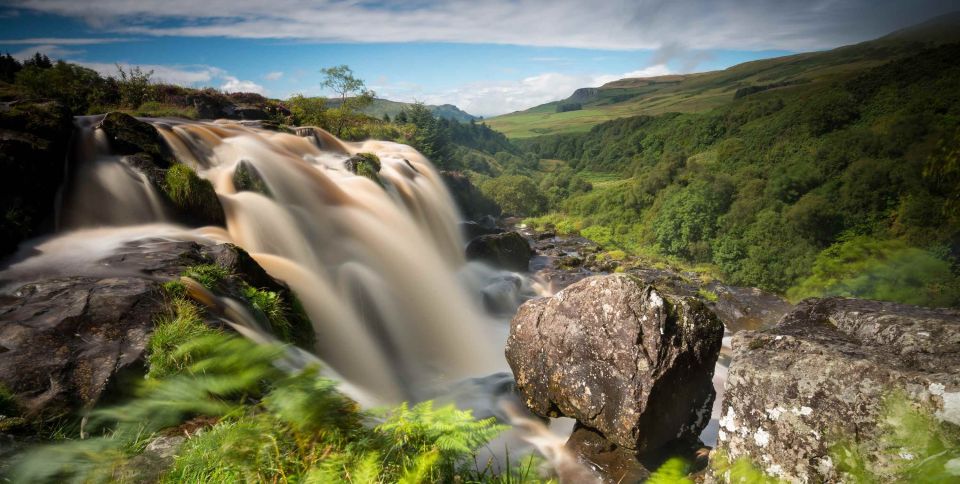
376	267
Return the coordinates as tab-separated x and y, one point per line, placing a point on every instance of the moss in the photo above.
757	344
192	195
707	294
246	178
208	275
286	316
366	165
10	418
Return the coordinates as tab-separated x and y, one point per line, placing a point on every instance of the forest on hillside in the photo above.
848	186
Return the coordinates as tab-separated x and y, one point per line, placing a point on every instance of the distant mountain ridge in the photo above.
698	92
379	107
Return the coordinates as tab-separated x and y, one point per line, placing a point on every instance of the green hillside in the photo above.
705	91
379	107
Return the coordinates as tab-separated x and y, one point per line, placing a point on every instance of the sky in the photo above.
488	57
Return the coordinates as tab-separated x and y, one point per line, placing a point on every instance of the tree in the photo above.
353	94
9	66
134	86
307	111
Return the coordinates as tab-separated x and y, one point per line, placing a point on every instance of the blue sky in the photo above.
488	57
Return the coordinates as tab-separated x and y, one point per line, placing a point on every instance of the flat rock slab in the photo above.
823	372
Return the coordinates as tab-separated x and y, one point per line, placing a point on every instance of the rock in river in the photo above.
624	359
508	250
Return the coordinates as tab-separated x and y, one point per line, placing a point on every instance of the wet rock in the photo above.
503	295
624	359
246	178
68	340
130	136
34	136
364	164
472	230
823	372
508	250
473	204
157	457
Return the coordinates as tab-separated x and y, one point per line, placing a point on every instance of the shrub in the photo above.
886	270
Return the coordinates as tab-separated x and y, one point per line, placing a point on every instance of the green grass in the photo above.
182	324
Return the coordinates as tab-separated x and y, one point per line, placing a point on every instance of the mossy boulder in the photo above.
34	137
193	198
364	164
508	250
246	178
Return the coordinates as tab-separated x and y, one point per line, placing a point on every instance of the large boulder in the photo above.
626	360
507	250
34	135
70	337
822	373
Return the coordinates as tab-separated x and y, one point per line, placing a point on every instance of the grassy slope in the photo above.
706	91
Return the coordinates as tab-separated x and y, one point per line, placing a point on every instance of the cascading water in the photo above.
374	266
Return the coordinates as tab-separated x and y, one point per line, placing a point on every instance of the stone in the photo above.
508	250
823	372
626	360
34	135
72	338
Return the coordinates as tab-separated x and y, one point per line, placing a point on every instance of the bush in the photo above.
515	194
886	270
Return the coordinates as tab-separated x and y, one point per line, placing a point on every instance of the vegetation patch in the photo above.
192	195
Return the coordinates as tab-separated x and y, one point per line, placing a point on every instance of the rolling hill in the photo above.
704	91
379	107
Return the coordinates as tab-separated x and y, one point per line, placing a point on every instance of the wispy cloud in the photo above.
65	41
180	75
499	97
51	51
273	76
612	24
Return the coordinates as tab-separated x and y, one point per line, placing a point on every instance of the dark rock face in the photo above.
508	250
472	230
34	138
626	360
823	371
473	204
66	341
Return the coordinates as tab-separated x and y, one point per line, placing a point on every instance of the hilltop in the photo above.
379	107
700	92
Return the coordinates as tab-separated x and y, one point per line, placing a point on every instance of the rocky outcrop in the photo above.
473	204
507	250
193	198
34	138
68	340
627	361
364	164
822	373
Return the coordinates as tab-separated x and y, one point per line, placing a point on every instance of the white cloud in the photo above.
51	51
273	76
63	41
499	97
609	24
233	84
180	75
